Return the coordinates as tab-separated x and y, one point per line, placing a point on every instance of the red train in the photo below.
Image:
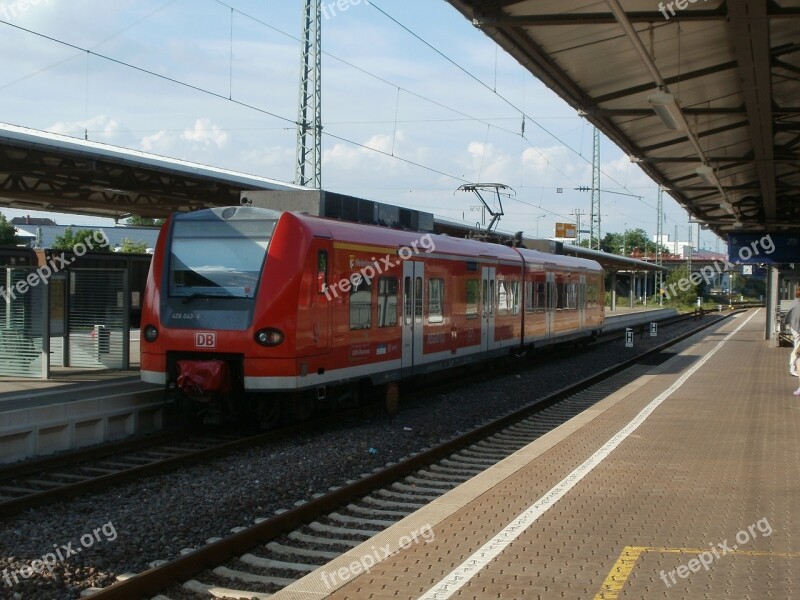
249	306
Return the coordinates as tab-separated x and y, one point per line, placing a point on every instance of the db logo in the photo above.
205	339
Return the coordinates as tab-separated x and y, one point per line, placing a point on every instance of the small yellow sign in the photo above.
565	230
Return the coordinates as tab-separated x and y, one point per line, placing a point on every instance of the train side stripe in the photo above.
364	248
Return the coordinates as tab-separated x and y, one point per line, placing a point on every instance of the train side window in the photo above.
435	300
472	298
507	297
361	305
485	289
541	297
503	296
529	297
591	295
408	300
492	297
515	302
570	296
387	301
322	271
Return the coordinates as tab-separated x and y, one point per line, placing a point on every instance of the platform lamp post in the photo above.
537	223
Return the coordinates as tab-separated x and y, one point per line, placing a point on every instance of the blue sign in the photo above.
772	248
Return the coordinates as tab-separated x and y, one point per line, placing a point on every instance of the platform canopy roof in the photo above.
50	172
704	95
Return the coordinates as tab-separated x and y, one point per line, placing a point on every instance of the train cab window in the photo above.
472	293
387	301
435	300
212	256
322	271
361	304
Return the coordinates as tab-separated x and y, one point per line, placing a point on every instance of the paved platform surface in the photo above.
684	483
67	386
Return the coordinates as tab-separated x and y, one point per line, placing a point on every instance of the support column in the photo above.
772	303
613	291
45	331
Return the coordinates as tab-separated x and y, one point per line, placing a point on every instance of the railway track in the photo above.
51	480
271	554
48	480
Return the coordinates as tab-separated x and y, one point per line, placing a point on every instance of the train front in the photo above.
200	302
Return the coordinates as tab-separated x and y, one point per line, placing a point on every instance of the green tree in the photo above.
70	239
612	243
131	247
633	240
679	288
8	236
137	221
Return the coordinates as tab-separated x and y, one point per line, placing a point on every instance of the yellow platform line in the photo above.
619	573
623	567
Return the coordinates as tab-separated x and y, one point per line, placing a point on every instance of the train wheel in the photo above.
391	399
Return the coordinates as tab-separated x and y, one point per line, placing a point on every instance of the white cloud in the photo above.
99	128
206	134
159	143
372	153
203	136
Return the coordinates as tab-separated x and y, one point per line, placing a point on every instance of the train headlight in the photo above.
269	336
150	333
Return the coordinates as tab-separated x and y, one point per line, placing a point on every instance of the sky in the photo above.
415	102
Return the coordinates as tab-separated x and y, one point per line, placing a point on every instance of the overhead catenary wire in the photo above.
498	94
489	122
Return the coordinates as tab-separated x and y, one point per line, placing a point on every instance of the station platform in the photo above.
74	409
622	318
64	385
682	484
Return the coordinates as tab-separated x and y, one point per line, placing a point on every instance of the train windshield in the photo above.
218	258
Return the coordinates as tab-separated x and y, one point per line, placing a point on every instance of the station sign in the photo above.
771	248
565	230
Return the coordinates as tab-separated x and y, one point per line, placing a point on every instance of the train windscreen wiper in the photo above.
196	296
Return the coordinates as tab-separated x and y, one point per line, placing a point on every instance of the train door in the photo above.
413	278
320	305
550	311
582	301
488	280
